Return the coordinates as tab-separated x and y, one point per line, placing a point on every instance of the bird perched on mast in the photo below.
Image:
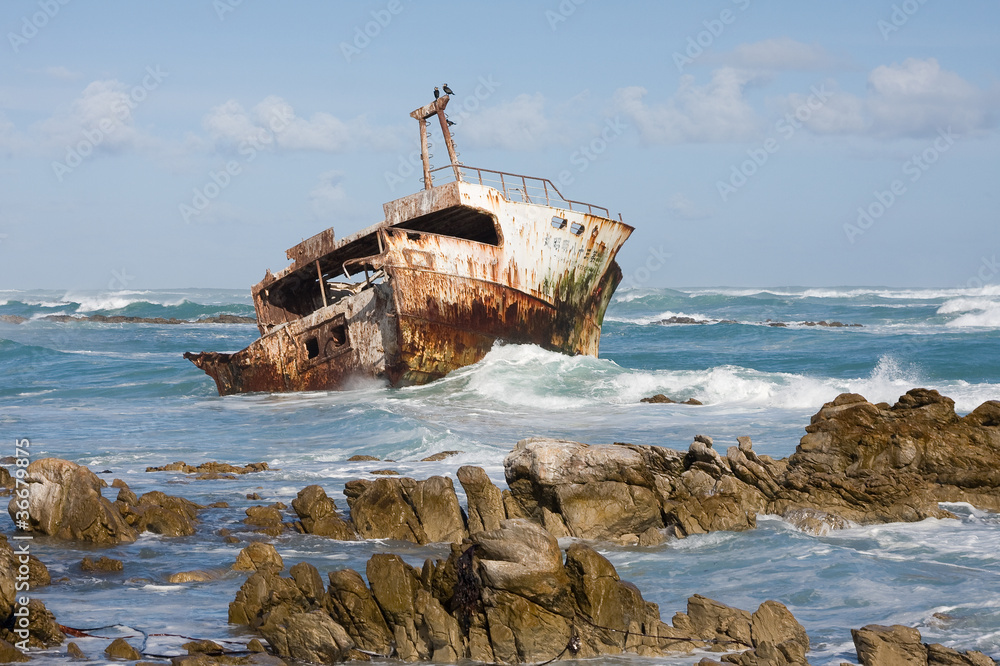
437	93
447	90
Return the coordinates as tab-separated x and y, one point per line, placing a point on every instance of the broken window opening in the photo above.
312	348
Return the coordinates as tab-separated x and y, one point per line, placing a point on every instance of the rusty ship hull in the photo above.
449	272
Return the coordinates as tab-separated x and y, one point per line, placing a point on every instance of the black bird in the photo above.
447	90
437	93
450	123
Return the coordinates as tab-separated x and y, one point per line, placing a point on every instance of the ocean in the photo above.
119	398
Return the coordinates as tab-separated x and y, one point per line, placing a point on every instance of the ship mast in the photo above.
422	114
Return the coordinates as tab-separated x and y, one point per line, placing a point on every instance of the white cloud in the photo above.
61	73
328	197
780	54
523	123
915	98
716	111
681	208
273	124
102	116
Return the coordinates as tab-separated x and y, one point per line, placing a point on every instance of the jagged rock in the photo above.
590	492
107	564
405	509
263	516
259	556
73	650
659	398
351	604
311	637
202	647
121	649
859	463
898	645
318	515
10	654
65	501
158	512
42	630
485	501
361	457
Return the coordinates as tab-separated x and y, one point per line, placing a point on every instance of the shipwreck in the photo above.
478	256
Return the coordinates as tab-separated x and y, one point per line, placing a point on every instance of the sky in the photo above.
188	143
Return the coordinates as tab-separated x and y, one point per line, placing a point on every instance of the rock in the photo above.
692	401
203	647
211	469
504	596
362	458
263	516
6	480
73	650
259	556
589	492
351	604
311	637
899	645
65	501
158	512
255	646
196	576
318	515
418	511
253	496
43	630
10	654
120	649
441	455
13	319
106	564
659	398
485	501
384	472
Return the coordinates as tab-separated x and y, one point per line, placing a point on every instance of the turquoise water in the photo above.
119	397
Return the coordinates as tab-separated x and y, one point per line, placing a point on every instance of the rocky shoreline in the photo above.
508	593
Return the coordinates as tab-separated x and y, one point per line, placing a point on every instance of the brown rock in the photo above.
259	556
10	654
311	637
120	649
73	650
361	457
659	398
318	515
878	645
485	501
196	576
351	604
418	511
441	455
106	564
65	501
158	513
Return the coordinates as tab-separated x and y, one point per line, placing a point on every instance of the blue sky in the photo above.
749	143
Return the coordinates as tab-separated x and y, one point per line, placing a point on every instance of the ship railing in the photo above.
517	187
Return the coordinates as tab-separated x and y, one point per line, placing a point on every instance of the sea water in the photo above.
120	397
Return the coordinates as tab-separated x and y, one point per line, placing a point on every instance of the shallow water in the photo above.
119	397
